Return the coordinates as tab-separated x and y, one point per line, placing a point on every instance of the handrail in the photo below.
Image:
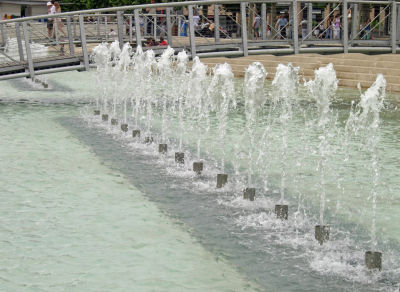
179	4
111	24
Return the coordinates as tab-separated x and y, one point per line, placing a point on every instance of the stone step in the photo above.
353	56
350	68
339	68
390	87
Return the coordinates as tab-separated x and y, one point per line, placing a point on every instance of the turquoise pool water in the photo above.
85	208
69	222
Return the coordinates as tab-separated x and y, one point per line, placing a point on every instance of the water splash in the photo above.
164	67
222	96
322	89
181	78
254	95
285	91
197	101
365	122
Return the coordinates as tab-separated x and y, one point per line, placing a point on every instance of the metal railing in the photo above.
203	28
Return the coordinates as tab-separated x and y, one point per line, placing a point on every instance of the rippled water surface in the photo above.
69	222
87	208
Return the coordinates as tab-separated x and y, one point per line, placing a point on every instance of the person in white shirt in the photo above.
50	21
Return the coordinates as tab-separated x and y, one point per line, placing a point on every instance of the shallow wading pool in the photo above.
87	207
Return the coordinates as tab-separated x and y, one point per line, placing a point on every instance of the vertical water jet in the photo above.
254	96
322	89
285	85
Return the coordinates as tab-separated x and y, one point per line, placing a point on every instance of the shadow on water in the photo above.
256	252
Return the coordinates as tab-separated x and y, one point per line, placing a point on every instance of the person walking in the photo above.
57	21
336	32
50	21
257	26
281	25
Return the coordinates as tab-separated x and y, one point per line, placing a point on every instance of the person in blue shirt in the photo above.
281	26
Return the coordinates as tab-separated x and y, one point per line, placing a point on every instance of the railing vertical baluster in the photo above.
74	21
191	32
98	27
83	42
120	24
145	23
243	25
309	19
130	28
295	26
137	26
169	26
345	34
70	38
155	27
394	27
28	50
106	28
216	22
3	35
19	41
264	20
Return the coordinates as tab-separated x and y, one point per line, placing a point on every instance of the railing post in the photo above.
295	26
345	34
243	25
130	28
191	32
28	51
309	19
83	43
3	35
216	22
394	27
19	41
264	20
169	26
137	28
70	38
120	25
106	28
354	21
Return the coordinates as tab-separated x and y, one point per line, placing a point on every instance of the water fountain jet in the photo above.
162	148
322	89
222	96
253	91
366	122
198	167
285	86
222	179
180	157
136	134
249	194
124	127
198	104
